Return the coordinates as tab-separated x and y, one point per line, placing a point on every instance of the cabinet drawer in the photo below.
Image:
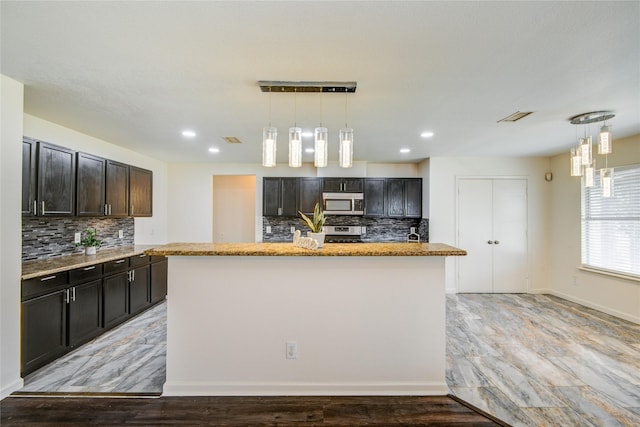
116	266
138	260
44	284
158	258
85	274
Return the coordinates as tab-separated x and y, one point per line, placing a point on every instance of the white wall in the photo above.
191	192
612	295
148	230
234	201
11	93
443	172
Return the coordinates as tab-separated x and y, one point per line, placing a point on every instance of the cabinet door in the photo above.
159	281
140	192
413	197
289	196
43	330
374	200
353	185
395	197
29	185
90	185
270	196
332	185
139	289
56	180
115	299
310	193
85	309
117	189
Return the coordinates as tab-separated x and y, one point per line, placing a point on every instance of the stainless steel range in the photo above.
343	233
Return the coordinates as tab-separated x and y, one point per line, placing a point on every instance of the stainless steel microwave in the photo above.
343	203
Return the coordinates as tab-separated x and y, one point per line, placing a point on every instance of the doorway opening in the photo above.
234	208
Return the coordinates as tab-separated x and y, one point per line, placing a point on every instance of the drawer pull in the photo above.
89	268
120	261
44	279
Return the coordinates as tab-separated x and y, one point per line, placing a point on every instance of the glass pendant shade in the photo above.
605	146
346	147
576	162
606	182
585	150
589	174
295	147
321	154
269	142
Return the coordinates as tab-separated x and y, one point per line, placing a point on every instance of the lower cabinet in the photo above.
159	270
115	291
85	309
139	289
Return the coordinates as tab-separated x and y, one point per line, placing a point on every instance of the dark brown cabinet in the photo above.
85	310
117	189
159	270
29	185
309	193
404	197
280	196
90	185
115	292
139	282
345	185
374	197
140	192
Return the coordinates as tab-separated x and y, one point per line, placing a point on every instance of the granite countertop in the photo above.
288	249
43	267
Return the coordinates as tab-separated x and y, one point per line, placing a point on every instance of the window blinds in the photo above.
611	225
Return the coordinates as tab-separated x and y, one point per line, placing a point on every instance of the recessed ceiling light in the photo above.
405	150
188	133
426	134
214	150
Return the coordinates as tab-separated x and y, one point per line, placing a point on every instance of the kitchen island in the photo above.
275	319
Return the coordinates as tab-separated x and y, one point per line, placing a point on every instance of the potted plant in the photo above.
90	242
315	225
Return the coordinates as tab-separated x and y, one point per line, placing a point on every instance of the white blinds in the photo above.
611	225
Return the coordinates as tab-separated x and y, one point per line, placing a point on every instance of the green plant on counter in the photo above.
317	223
90	239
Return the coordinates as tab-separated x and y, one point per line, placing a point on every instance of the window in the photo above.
611	225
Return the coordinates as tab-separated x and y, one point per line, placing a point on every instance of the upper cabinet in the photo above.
374	197
279	196
339	185
140	192
404	197
309	193
90	185
49	178
117	189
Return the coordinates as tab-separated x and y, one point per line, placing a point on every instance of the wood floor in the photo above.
239	411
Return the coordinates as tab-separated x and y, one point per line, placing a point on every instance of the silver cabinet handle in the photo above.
89	268
279	211
133	275
142	255
35	207
109	209
43	211
120	261
131	208
44	279
66	296
73	294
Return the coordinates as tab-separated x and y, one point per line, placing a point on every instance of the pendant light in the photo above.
605	146
295	137
321	136
269	142
606	181
345	139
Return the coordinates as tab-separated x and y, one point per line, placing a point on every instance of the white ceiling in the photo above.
138	73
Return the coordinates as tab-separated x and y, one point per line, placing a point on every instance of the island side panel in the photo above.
363	325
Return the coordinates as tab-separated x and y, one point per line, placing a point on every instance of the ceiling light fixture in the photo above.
426	134
405	150
188	134
269	142
582	161
321	133
214	150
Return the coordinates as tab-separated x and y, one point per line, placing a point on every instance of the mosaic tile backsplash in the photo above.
52	237
378	229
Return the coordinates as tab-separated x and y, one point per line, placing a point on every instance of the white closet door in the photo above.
474	231
510	235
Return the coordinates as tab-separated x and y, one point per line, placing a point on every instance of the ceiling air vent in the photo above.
232	140
516	116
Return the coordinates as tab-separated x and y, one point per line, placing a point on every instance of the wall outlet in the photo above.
363	230
292	350
412	230
77	237
268	229
120	234
293	229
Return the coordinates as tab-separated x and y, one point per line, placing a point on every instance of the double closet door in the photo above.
492	228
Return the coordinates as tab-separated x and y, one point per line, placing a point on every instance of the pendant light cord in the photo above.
269	106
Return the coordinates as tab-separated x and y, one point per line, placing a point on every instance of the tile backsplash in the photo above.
52	237
378	229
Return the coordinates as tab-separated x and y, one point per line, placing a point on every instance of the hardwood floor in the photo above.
240	411
539	360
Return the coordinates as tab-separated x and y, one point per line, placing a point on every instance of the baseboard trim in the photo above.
11	388
305	389
604	309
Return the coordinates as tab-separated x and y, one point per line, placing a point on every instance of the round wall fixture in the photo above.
548	176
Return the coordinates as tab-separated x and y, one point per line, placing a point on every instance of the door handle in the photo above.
490	242
497	242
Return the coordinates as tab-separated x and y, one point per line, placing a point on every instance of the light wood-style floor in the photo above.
538	360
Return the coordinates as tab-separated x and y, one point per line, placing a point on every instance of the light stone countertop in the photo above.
288	249
31	269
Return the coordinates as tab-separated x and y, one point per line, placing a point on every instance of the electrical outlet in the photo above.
293	229
268	229
363	230
412	230
77	237
292	350
120	234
